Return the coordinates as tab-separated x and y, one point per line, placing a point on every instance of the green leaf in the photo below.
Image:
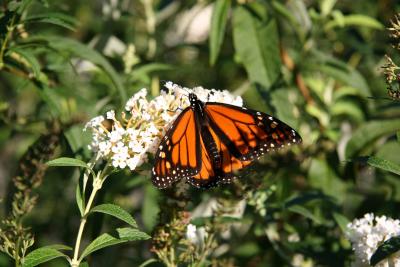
67	162
322	176
132	234
355	20
380	163
304	212
326	6
79	199
345	91
59	19
40	256
58	247
341	221
390	246
68	45
122	235
150	207
52	100
256	44
306	198
143	73
218	25
339	70
30	59
76	138
117	212
348	109
369	132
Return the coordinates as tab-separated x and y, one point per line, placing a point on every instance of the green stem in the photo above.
10	29
97	184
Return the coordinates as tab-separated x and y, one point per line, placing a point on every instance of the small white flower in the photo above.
367	233
132	101
104	147
133	162
111	115
95	122
191	234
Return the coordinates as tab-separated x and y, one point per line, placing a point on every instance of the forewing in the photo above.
246	133
179	154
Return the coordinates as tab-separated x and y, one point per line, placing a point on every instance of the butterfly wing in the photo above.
248	134
218	163
179	154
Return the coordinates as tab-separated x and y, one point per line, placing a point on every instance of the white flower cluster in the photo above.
126	142
367	233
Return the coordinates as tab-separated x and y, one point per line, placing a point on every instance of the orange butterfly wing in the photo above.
178	155
247	133
211	149
211	175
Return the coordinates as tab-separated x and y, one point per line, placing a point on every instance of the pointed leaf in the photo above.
40	256
58	247
64	162
59	19
388	247
73	47
355	20
305	212
369	132
105	240
256	44
380	163
218	25
341	221
30	59
79	199
117	212
132	234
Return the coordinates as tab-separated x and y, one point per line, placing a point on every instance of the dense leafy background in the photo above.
314	64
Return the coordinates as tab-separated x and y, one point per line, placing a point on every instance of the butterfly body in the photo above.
210	142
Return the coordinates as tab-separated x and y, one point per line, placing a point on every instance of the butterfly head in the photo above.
194	101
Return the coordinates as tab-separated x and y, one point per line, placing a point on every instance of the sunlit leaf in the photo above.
64	162
218	25
380	163
256	44
355	20
341	221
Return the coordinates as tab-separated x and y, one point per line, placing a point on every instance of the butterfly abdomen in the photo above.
211	146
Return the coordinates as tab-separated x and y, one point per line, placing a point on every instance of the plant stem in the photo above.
97	183
10	29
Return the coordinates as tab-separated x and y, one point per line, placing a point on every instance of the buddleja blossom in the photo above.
137	132
367	233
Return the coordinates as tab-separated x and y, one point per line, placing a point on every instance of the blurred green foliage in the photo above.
314	64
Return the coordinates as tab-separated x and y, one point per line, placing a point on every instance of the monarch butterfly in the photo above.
210	141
